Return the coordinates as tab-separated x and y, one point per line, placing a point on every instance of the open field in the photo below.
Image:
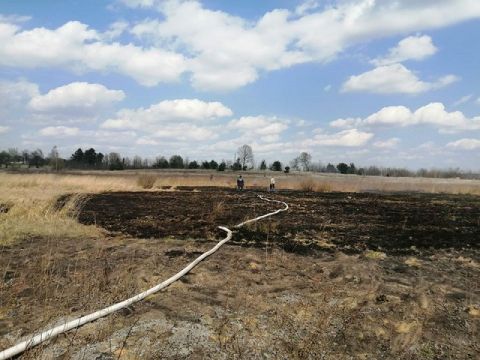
339	276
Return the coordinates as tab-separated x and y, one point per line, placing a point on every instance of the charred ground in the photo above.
351	222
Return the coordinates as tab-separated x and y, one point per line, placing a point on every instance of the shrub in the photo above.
323	188
146	181
307	184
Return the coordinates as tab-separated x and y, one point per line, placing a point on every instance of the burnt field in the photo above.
338	276
350	222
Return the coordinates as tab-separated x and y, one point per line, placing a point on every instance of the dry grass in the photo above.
355	183
146	181
31	198
307	184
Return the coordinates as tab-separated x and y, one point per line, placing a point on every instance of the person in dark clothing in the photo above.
240	183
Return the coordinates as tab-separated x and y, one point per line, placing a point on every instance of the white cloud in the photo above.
139	3
185	132
14	18
345	138
411	48
306	7
59	131
4	129
391	79
463	100
465	144
75	46
268	129
432	114
146	141
115	30
345	123
76	97
167	111
227	51
221	51
387	144
16	93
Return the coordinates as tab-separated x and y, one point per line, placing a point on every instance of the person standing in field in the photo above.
240	183
272	184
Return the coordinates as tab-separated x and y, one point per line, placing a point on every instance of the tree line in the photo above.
243	160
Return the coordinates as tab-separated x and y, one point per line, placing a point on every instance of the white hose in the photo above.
50	333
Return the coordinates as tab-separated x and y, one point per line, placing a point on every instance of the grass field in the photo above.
359	267
31	198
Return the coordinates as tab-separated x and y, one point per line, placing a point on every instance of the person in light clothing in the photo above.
272	184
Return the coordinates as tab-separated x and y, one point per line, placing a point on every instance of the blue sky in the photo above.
372	82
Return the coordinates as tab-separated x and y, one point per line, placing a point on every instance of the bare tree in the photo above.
294	164
137	162
245	156
305	159
53	156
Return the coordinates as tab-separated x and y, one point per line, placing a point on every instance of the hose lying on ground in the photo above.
51	333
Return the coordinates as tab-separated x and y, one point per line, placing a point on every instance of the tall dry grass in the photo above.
31	199
32	204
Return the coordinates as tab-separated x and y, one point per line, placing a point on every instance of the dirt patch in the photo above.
241	303
5	208
351	222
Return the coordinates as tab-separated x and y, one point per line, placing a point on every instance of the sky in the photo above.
387	83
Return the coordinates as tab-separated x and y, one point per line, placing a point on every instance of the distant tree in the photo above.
137	162
127	162
263	165
304	160
245	156
77	156
54	159
276	166
193	165
25	156
176	162
90	157
222	166
237	165
295	164
100	158
36	158
373	171
4	158
352	169
213	164
161	163
287	169
15	155
331	168
343	168
205	165
115	162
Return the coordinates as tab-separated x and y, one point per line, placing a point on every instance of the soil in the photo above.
338	276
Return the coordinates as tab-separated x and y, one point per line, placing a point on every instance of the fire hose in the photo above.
34	340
